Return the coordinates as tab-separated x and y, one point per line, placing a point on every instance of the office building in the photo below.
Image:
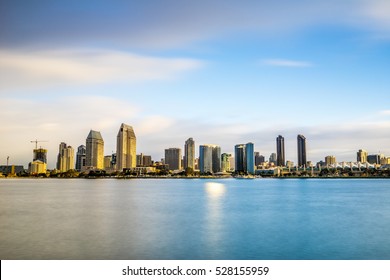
301	141
272	159
244	158
173	158
126	156
362	156
330	160
225	162
375	159
259	159
94	154
65	158
189	154
81	158
143	160
280	155
209	158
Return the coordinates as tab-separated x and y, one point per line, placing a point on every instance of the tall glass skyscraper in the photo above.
189	154
80	158
209	158
301	141
280	155
245	158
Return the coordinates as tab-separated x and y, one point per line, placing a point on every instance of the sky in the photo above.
223	72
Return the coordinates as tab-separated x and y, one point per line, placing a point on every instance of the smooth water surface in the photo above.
194	219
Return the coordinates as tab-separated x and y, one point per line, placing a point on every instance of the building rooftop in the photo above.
95	135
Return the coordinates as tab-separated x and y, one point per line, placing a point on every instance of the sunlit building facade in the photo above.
126	146
94	157
65	158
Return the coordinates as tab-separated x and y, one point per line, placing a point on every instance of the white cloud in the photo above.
286	63
385	112
69	67
61	120
378	12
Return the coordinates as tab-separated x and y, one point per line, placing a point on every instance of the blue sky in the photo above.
222	72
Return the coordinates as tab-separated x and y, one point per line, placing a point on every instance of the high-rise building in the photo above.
375	159
225	162
362	156
65	158
209	158
143	160
330	160
81	158
273	158
40	154
147	160
301	141
245	158
94	156
280	155
173	158
216	159
205	159
239	156
189	154
259	159
126	156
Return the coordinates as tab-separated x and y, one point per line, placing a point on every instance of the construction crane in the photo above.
36	143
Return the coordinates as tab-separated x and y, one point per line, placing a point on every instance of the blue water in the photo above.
195	219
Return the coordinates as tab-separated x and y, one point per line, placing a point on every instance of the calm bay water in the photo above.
194	219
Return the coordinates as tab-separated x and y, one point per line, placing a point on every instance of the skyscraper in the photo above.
362	156
40	154
280	155
245	158
65	158
173	158
94	156
250	158
189	154
259	159
239	156
209	158
225	162
301	141
80	158
329	160
126	156
273	158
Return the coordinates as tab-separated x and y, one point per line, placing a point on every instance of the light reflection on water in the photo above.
214	219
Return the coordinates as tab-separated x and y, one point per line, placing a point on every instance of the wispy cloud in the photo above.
286	63
173	23
385	113
47	68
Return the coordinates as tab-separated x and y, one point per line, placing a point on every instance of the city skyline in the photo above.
97	152
223	73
